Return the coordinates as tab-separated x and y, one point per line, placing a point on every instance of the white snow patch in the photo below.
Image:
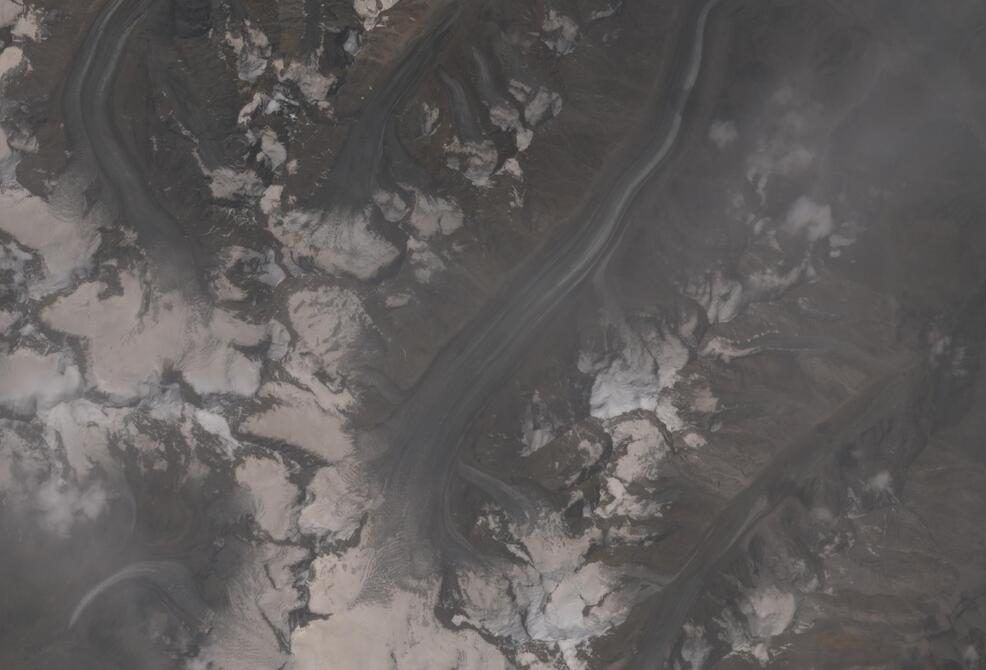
507	118
262	596
628	383
248	110
270	201
247	263
640	377
772	282
638	450
353	43
695	440
314	85
541	106
725	350
776	157
129	343
608	11
274	153
329	322
769	611
641	446
273	495
217	425
84	430
391	205
484	605
559	32
252	49
336	581
338	242
429	119
556	597
32	482
881	482
28	26
616	501
475	160
434	214
538	427
228	184
296	417
695	650
397	300
585	604
66	246
721	297
336	506
7	321
425	262
374	634
9	11
512	167
62	504
11	61
370	11
14	268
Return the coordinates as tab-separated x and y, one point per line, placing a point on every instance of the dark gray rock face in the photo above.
192	18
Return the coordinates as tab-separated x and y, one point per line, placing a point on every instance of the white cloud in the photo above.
723	133
809	219
30	381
